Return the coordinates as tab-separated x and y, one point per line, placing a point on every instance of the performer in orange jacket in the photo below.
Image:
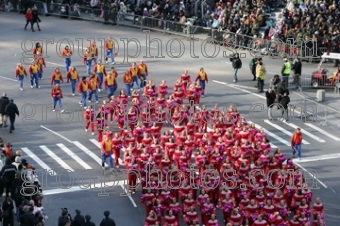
93	86
83	87
33	70
94	51
20	72
106	148
202	77
67	53
57	95
110	50
143	73
296	142
128	80
133	71
56	77
110	82
89	116
87	60
41	63
99	68
73	76
38	49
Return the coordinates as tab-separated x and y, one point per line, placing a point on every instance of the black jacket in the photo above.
271	97
28	219
107	222
78	220
35	16
12	109
237	63
8	172
285	101
281	88
297	67
4	101
89	224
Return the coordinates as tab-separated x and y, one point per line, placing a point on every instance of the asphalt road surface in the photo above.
58	143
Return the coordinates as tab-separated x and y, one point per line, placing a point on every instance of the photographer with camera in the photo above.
237	64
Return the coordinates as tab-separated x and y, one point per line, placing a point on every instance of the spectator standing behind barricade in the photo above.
67	53
7	174
29	18
110	82
284	107
270	97
4	101
35	17
285	71
110	49
99	68
296	142
73	76
252	67
202	77
7	211
11	111
57	95
237	64
261	75
20	72
107	221
297	68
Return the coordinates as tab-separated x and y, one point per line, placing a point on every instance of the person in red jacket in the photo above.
89	116
29	18
41	63
56	77
296	142
57	95
20	72
67	53
202	77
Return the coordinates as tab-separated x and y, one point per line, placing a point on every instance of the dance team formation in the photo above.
164	134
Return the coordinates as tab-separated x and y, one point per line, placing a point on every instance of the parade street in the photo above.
58	143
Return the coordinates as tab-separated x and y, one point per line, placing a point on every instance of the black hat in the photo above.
78	211
88	217
64	212
106	213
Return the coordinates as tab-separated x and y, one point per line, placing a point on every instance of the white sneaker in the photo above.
202	96
86	130
80	103
42	78
21	89
62	111
106	62
89	101
96	102
73	94
113	63
92	134
31	87
53	110
85	108
99	90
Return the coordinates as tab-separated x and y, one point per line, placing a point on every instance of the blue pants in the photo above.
110	53
111	91
57	100
88	66
298	149
128	88
40	74
135	80
104	157
83	98
143	77
67	64
101	80
21	81
94	57
235	73
93	92
73	85
202	84
55	82
34	78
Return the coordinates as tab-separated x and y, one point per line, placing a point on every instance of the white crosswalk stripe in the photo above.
74	156
304	132
322	131
56	158
38	160
88	152
283	130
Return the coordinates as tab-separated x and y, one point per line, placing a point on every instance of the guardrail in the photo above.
257	46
